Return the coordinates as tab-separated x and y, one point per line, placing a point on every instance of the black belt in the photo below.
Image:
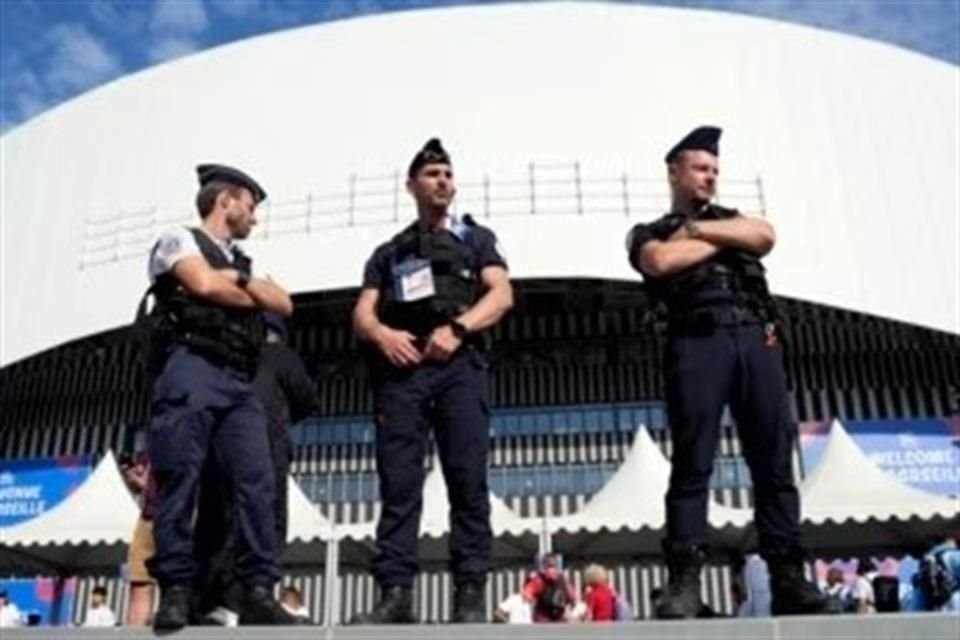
712	318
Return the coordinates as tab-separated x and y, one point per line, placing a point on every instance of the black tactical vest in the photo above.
455	279
731	278
226	336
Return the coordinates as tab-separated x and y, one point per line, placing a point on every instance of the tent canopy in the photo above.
89	529
627	516
851	504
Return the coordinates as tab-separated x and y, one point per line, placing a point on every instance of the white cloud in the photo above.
117	16
238	8
23	93
178	16
168	48
78	60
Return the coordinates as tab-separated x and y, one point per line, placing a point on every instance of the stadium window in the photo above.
560	426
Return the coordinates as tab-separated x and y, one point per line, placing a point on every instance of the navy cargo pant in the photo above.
705	371
201	410
452	398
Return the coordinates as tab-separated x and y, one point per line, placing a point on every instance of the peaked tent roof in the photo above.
90	528
513	536
631	504
305	523
850	503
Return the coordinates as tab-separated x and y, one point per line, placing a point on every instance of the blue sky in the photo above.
53	50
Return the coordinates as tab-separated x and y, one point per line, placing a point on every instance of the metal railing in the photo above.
539	189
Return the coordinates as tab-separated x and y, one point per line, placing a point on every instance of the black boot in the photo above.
174	610
395	607
260	608
469	603
682	597
793	594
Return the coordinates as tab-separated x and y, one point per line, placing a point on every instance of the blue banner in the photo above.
48	601
921	453
31	487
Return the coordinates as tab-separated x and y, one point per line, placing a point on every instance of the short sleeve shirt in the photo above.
486	248
175	244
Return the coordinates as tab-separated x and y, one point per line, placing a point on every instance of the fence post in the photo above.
760	197
353	199
626	194
309	212
532	184
396	195
578	185
486	195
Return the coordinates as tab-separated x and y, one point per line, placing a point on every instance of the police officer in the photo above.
701	262
288	395
426	296
208	332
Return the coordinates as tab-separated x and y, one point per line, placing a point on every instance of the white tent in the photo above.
308	531
513	536
90	528
850	504
627	515
305	523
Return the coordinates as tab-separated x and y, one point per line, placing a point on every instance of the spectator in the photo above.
136	473
99	614
549	592
834	585
514	610
9	613
861	595
936	585
600	598
292	600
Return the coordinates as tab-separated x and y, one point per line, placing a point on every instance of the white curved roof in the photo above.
855	143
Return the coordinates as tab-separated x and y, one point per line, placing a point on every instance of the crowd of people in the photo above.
547	596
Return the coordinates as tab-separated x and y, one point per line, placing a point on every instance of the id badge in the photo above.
413	280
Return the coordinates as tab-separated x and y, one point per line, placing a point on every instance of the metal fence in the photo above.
538	189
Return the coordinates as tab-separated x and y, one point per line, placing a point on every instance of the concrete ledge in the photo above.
848	627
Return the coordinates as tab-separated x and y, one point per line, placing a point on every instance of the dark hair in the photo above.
100	590
208	194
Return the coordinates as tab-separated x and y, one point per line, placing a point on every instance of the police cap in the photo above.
431	153
700	139
208	173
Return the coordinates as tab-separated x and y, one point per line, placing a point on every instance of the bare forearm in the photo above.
660	259
269	296
750	234
489	309
221	289
366	324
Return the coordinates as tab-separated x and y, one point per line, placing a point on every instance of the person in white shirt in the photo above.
99	614
514	610
9	613
861	594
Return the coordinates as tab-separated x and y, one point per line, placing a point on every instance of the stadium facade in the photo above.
557	116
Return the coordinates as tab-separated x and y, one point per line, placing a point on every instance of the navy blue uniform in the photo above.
288	395
450	397
722	350
204	414
201	410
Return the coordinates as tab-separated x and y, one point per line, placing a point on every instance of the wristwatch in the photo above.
243	279
458	328
692	229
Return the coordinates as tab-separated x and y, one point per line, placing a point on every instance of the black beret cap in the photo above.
431	153
700	139
208	173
